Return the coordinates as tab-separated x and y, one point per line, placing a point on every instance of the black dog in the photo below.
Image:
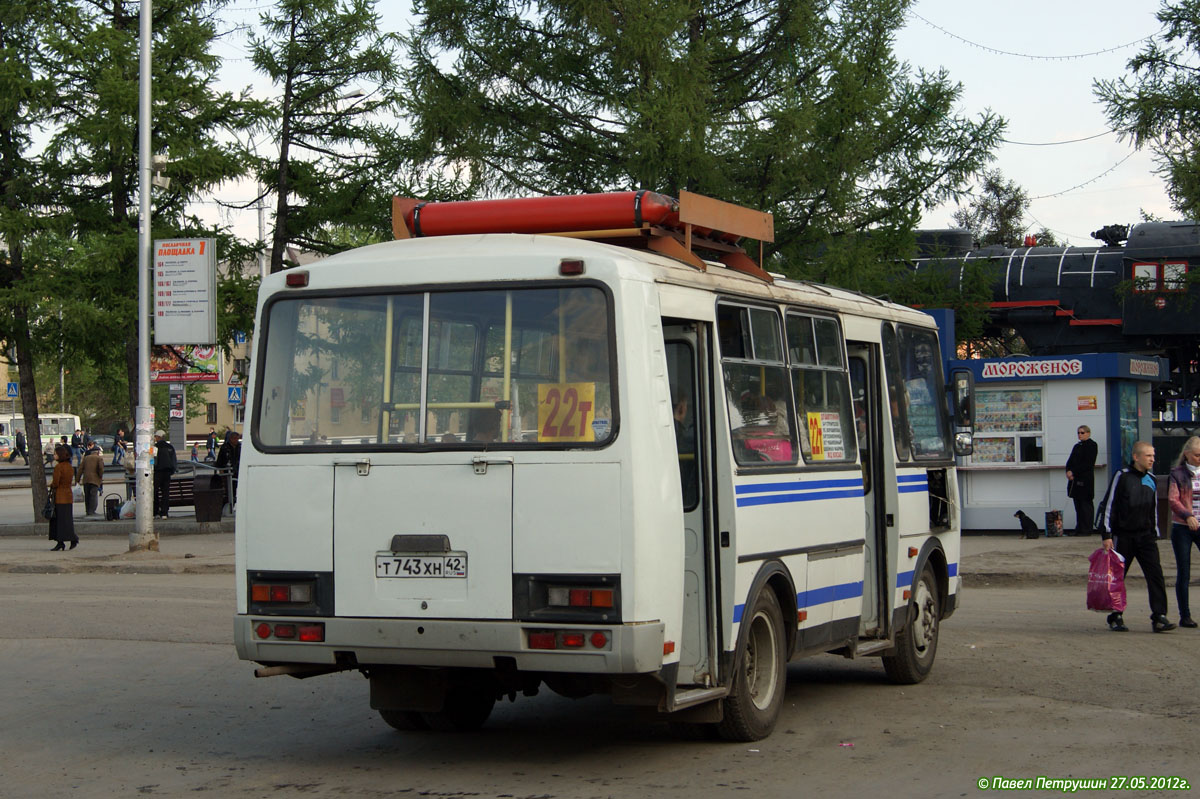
1029	527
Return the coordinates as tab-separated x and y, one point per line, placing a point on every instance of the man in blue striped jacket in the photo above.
1129	521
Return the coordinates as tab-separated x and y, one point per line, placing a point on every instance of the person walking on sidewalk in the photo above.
1183	496
1081	479
164	467
118	448
19	449
91	475
1129	518
62	526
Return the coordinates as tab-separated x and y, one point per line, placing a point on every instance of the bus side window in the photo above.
895	389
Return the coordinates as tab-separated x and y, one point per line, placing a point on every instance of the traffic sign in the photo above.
235	395
12	391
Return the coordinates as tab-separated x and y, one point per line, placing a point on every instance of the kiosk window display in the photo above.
1008	426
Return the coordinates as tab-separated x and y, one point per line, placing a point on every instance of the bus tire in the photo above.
756	696
916	643
467	708
404	720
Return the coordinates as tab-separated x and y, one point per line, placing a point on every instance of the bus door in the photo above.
688	372
865	394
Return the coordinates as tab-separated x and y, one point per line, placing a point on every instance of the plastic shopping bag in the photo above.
129	509
77	493
1106	581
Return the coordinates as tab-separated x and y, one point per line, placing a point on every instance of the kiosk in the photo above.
1027	410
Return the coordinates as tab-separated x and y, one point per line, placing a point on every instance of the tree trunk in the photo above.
25	366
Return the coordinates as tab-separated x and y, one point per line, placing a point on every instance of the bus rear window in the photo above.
515	368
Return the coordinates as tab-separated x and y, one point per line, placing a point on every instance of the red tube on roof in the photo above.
612	211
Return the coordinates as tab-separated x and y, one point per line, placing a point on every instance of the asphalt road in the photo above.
121	685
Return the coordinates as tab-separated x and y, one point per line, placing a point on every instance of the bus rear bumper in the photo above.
634	648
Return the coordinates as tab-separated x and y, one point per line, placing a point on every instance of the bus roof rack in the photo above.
637	219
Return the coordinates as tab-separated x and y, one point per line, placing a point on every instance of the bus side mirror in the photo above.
962	398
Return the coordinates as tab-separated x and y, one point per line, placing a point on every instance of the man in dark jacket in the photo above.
1081	479
1129	517
164	467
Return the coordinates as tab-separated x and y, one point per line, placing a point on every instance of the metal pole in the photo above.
143	536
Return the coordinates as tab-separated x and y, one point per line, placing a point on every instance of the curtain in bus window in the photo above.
757	394
925	395
895	388
824	417
300	400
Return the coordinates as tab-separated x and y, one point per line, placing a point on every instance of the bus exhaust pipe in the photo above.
298	671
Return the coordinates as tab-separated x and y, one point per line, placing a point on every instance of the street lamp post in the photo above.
143	535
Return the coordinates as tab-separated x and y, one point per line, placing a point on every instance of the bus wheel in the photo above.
916	644
756	696
404	720
467	708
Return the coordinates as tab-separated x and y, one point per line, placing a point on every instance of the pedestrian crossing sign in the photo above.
235	395
12	391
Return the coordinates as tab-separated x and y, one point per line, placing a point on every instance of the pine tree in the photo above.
93	51
1157	104
800	109
24	96
336	160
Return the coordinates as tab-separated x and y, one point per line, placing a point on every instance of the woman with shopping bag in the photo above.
62	526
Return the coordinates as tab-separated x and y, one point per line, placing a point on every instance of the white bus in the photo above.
479	464
53	425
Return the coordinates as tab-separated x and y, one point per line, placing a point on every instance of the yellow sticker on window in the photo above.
566	411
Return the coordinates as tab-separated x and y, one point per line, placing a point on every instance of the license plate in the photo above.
452	564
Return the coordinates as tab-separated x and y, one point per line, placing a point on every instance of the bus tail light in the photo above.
568	598
287	631
278	593
568	639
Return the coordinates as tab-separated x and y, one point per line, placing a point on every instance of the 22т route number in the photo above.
565	411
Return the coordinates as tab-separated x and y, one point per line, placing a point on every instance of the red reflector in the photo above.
907	594
260	593
285	631
668	647
297	279
573	639
263	630
581	598
311	632
602	598
802	615
569	268
280	593
912	552
599	639
542	641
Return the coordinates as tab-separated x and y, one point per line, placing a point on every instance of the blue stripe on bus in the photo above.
815	597
904	579
912	478
795	485
913	489
807	496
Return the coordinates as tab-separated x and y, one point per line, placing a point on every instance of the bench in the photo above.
181	490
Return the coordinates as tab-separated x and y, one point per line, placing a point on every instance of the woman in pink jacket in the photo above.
1183	495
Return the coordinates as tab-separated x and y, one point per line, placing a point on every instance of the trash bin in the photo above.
112	507
1053	523
208	500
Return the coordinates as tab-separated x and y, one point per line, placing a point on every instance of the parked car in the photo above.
6	446
105	442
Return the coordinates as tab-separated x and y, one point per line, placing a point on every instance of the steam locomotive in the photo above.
1140	296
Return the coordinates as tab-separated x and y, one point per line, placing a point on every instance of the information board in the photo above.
185	291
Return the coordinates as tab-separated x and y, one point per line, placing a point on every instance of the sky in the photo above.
1032	63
